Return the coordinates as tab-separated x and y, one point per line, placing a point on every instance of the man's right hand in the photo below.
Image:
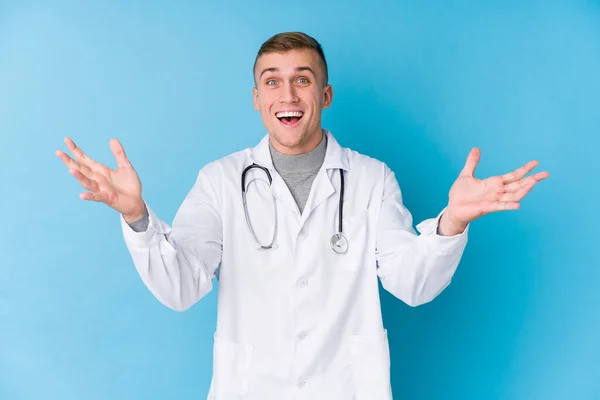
120	189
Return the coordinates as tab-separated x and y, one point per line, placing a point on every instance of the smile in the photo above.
289	118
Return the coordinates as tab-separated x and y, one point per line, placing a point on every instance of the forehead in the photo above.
288	62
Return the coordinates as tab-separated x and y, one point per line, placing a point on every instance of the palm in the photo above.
119	188
471	198
121	185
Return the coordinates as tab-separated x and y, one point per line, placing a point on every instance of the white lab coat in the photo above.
298	321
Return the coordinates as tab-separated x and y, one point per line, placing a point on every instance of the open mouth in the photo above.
289	118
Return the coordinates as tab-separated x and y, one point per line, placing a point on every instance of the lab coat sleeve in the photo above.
177	264
413	267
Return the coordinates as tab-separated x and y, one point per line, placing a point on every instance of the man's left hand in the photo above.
471	198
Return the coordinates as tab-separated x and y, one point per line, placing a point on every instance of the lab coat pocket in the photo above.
359	230
232	364
370	362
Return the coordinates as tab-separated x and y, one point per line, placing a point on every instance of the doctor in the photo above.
298	244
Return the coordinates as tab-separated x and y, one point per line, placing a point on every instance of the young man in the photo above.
300	230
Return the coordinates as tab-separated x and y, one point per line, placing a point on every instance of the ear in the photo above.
255	95
327	96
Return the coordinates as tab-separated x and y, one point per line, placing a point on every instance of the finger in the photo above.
86	182
471	163
519	194
79	154
94	196
530	180
513	187
69	162
494	206
85	160
519	172
72	164
541	175
119	152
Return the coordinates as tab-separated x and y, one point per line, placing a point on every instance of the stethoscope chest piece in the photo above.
339	243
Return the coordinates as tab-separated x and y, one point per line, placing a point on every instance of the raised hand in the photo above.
120	189
470	198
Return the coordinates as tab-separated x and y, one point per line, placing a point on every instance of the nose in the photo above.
288	94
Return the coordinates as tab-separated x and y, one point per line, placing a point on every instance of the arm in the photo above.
177	264
414	268
417	268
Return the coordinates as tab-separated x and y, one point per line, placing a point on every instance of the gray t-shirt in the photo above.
297	171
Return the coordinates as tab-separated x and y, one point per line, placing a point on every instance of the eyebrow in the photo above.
298	69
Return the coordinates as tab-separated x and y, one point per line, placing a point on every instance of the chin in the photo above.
293	136
290	139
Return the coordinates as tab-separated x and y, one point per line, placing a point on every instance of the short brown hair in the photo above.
286	41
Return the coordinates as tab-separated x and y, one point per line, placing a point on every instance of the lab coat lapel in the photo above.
327	181
261	155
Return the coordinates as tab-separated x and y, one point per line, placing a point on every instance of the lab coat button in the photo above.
301	384
302	282
302	336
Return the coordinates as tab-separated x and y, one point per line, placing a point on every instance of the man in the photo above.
298	307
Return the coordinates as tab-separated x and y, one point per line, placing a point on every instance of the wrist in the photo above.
447	226
135	215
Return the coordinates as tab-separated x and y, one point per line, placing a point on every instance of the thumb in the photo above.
472	161
119	152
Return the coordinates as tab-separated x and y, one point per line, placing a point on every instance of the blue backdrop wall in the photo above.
417	84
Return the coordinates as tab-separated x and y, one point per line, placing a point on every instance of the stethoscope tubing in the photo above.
338	241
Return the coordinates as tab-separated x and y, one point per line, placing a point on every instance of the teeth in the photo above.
289	114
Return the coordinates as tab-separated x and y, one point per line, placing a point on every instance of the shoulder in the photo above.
222	167
361	163
369	177
371	174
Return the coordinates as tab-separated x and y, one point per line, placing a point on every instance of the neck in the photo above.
305	147
294	164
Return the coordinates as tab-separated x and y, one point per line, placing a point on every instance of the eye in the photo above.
303	80
271	82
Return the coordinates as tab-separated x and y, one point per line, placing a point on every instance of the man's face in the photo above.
290	94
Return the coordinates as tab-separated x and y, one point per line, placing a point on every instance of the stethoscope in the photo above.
338	241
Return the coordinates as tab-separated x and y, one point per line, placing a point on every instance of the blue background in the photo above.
417	84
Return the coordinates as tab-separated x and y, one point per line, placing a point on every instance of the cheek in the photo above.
265	102
265	113
317	101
